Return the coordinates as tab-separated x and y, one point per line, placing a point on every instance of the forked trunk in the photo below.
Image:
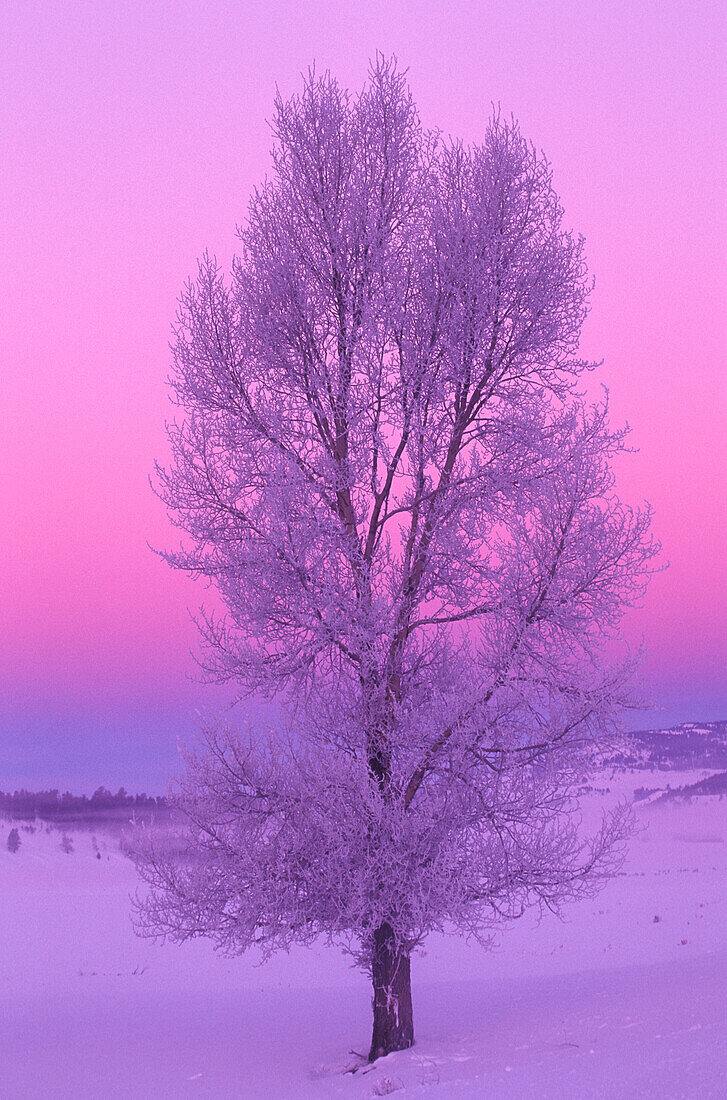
393	1019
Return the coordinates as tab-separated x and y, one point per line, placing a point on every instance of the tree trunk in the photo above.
393	1019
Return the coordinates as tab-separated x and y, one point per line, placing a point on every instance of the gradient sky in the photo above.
132	133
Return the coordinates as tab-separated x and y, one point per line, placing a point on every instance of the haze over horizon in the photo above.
133	139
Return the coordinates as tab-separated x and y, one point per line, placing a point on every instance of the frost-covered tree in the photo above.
386	467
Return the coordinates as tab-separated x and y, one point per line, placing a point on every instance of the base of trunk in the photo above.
393	1018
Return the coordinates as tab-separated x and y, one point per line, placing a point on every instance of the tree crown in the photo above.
386	467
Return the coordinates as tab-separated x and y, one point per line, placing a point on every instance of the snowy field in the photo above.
625	998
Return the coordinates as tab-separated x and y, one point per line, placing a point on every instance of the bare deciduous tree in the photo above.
386	468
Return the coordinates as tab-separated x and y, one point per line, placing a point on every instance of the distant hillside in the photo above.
711	785
690	745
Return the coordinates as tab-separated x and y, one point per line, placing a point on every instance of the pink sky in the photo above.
132	134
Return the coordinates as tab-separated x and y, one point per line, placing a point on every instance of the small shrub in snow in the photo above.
66	844
13	840
386	1086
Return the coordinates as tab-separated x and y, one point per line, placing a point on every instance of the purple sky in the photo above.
132	134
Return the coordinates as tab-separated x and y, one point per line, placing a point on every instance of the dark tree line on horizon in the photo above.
51	804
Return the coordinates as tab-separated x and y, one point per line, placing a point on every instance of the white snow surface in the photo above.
610	1002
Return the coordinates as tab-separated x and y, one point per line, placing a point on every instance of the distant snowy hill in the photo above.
711	785
690	745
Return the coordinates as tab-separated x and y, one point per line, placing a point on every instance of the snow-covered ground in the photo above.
626	998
